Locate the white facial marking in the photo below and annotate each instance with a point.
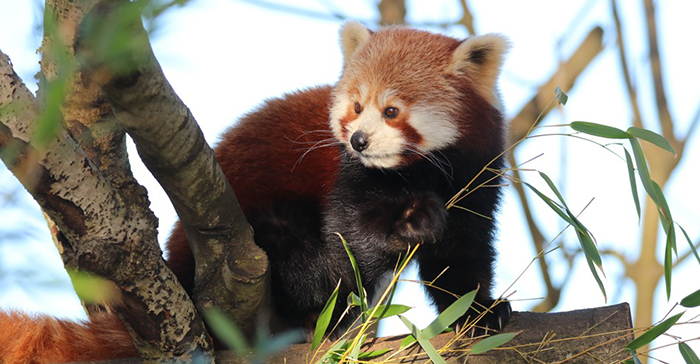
(385, 144)
(436, 126)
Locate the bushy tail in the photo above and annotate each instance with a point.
(43, 339)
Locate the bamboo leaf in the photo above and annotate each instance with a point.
(491, 342)
(551, 204)
(599, 130)
(415, 331)
(325, 318)
(668, 265)
(591, 266)
(691, 300)
(339, 347)
(584, 237)
(373, 354)
(561, 96)
(692, 247)
(651, 137)
(227, 331)
(642, 168)
(554, 189)
(408, 340)
(688, 354)
(654, 332)
(587, 243)
(353, 300)
(358, 279)
(636, 359)
(665, 212)
(423, 342)
(450, 315)
(91, 288)
(633, 183)
(273, 345)
(391, 310)
(355, 352)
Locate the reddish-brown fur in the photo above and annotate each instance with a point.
(265, 159)
(276, 154)
(262, 159)
(42, 339)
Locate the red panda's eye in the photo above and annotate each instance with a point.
(358, 108)
(391, 112)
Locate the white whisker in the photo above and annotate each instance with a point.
(442, 163)
(329, 142)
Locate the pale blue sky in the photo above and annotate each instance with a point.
(224, 56)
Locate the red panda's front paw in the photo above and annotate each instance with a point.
(422, 219)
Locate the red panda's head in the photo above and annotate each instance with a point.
(402, 92)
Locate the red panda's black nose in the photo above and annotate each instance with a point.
(359, 141)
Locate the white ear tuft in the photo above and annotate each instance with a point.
(481, 57)
(353, 35)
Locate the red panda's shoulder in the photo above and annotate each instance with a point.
(283, 149)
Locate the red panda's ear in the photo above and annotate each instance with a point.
(481, 57)
(353, 35)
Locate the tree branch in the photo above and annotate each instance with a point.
(392, 12)
(105, 232)
(467, 18)
(665, 118)
(231, 269)
(594, 335)
(622, 54)
(538, 240)
(565, 78)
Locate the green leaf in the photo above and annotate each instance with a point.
(587, 243)
(668, 264)
(423, 342)
(373, 354)
(325, 318)
(654, 332)
(665, 212)
(355, 352)
(451, 314)
(599, 130)
(584, 237)
(551, 204)
(597, 278)
(91, 288)
(339, 347)
(691, 300)
(273, 345)
(561, 96)
(353, 300)
(358, 279)
(391, 310)
(651, 137)
(633, 183)
(688, 354)
(692, 247)
(635, 358)
(642, 168)
(227, 331)
(408, 340)
(491, 342)
(554, 189)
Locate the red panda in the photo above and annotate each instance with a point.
(413, 119)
